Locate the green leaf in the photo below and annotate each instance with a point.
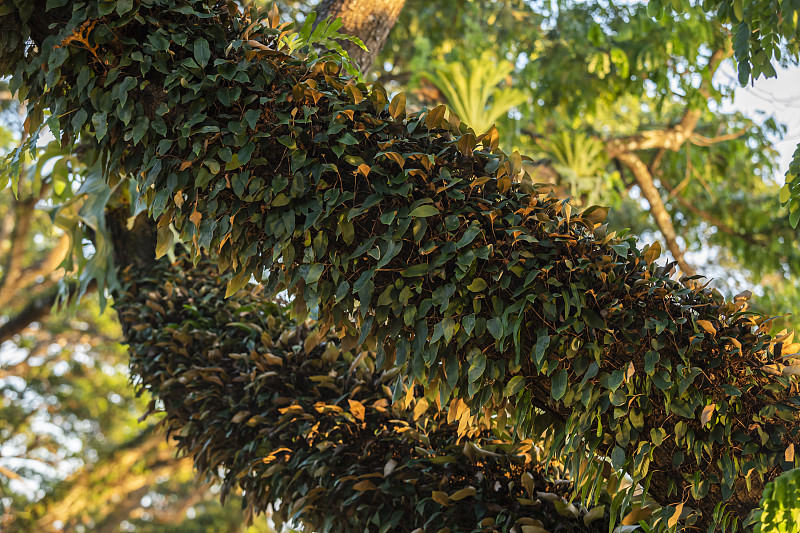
(202, 53)
(495, 327)
(123, 6)
(424, 211)
(468, 323)
(617, 458)
(593, 319)
(657, 435)
(477, 367)
(100, 123)
(416, 270)
(542, 342)
(513, 386)
(785, 194)
(252, 116)
(469, 235)
(613, 381)
(558, 384)
(315, 272)
(451, 369)
(477, 285)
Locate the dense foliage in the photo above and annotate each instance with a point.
(289, 416)
(406, 233)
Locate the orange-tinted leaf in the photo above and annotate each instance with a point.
(397, 107)
(357, 408)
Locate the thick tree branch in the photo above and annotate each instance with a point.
(34, 311)
(705, 215)
(96, 492)
(669, 139)
(657, 208)
(301, 405)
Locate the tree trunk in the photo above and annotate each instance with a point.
(369, 20)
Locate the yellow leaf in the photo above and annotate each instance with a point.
(397, 158)
(527, 482)
(420, 408)
(363, 169)
(791, 349)
(365, 485)
(565, 509)
(311, 342)
(673, 520)
(354, 93)
(274, 16)
(440, 498)
(357, 408)
(788, 455)
(534, 529)
(707, 326)
(435, 117)
(638, 513)
(463, 493)
(595, 214)
(164, 240)
(238, 417)
(652, 253)
(272, 359)
(491, 139)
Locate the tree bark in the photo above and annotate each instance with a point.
(369, 20)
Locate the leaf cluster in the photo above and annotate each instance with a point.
(289, 415)
(409, 232)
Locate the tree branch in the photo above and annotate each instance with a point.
(34, 311)
(700, 140)
(657, 208)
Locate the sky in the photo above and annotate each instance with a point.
(775, 96)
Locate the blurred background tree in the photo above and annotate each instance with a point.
(627, 111)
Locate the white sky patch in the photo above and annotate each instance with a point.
(778, 97)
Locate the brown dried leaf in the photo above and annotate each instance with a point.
(705, 416)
